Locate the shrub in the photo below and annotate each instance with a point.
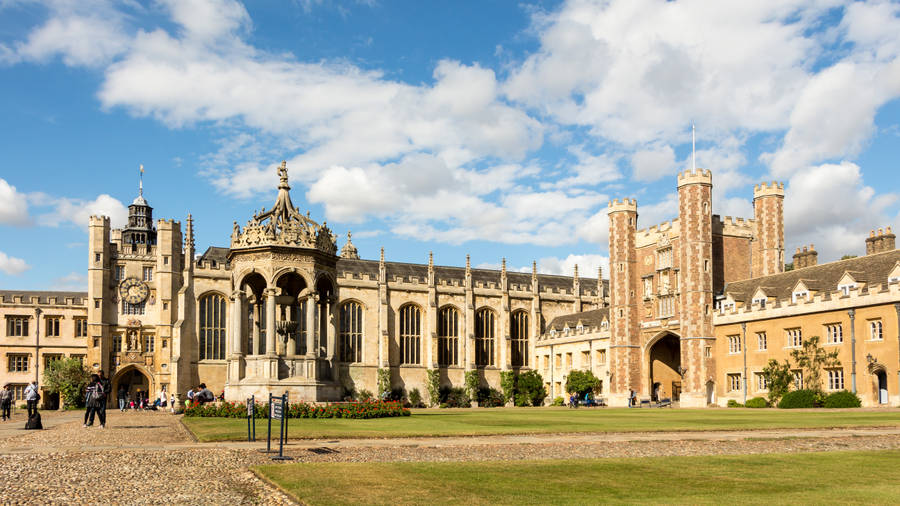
(384, 382)
(355, 410)
(433, 386)
(582, 382)
(489, 397)
(530, 386)
(471, 384)
(508, 385)
(798, 399)
(454, 398)
(842, 399)
(364, 395)
(559, 401)
(779, 379)
(734, 404)
(415, 398)
(757, 402)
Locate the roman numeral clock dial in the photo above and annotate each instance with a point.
(133, 291)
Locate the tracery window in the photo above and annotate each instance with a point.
(212, 327)
(484, 337)
(448, 337)
(351, 332)
(410, 334)
(518, 333)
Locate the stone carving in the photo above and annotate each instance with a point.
(283, 225)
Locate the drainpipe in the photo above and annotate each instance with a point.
(852, 314)
(744, 347)
(37, 343)
(897, 307)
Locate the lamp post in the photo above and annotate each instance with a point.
(852, 314)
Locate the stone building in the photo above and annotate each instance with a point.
(284, 309)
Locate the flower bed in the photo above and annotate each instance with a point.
(356, 410)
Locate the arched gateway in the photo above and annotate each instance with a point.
(136, 382)
(664, 367)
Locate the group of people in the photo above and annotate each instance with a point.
(32, 396)
(199, 395)
(95, 396)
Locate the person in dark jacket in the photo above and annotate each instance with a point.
(107, 390)
(5, 401)
(94, 400)
(204, 395)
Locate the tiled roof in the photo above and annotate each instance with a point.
(591, 318)
(406, 271)
(219, 255)
(871, 269)
(6, 296)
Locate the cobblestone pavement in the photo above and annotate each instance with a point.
(142, 458)
(150, 458)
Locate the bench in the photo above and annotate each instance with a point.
(646, 403)
(664, 403)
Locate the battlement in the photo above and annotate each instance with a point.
(164, 224)
(699, 176)
(98, 221)
(773, 189)
(625, 205)
(731, 225)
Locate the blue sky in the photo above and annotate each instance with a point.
(494, 128)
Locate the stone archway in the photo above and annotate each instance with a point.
(664, 364)
(136, 382)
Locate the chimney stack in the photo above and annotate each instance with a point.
(883, 240)
(806, 257)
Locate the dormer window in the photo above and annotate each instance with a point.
(552, 332)
(604, 325)
(580, 328)
(845, 289)
(804, 295)
(726, 306)
(761, 302)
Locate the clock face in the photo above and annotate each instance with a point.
(133, 291)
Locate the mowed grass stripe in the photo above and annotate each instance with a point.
(437, 422)
(805, 478)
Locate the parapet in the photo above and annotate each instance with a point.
(773, 189)
(699, 176)
(164, 224)
(98, 221)
(627, 205)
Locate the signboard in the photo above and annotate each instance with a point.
(277, 409)
(250, 404)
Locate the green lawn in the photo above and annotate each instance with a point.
(806, 478)
(442, 422)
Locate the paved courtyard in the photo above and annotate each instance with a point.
(150, 458)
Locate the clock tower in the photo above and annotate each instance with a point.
(134, 278)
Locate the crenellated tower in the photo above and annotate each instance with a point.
(768, 242)
(696, 290)
(625, 346)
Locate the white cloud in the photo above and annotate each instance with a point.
(72, 282)
(830, 206)
(78, 212)
(12, 265)
(587, 265)
(13, 205)
(654, 163)
(83, 32)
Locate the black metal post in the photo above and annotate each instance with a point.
(253, 398)
(287, 416)
(282, 433)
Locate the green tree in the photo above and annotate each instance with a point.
(472, 384)
(778, 379)
(68, 377)
(811, 358)
(508, 385)
(530, 389)
(433, 386)
(384, 382)
(848, 257)
(582, 382)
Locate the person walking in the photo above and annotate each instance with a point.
(107, 391)
(5, 401)
(31, 398)
(123, 397)
(95, 399)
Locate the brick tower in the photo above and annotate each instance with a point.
(768, 241)
(625, 348)
(696, 298)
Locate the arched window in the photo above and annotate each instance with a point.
(518, 333)
(410, 334)
(484, 337)
(448, 337)
(351, 332)
(212, 327)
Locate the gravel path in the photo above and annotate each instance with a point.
(150, 458)
(63, 465)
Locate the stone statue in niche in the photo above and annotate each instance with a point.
(133, 341)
